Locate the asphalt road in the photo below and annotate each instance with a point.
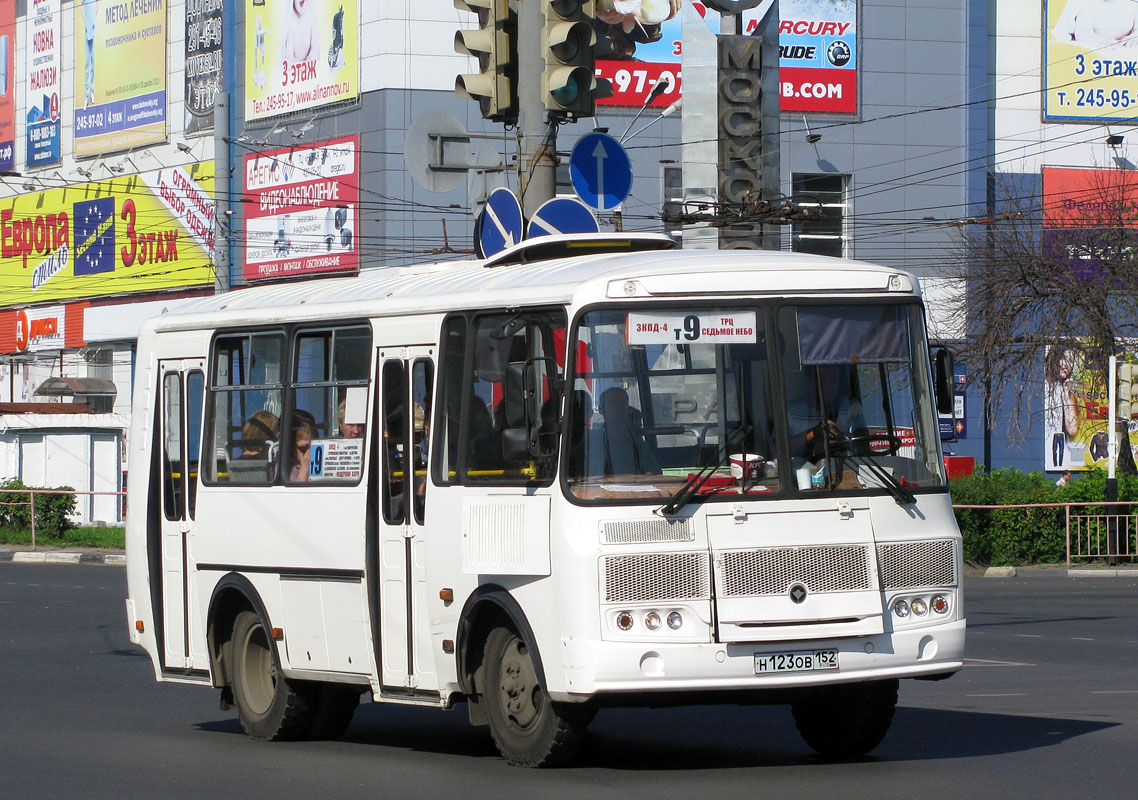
(1046, 707)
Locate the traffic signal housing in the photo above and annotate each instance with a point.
(494, 44)
(569, 86)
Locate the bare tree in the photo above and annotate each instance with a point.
(1056, 267)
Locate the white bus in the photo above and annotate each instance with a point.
(589, 472)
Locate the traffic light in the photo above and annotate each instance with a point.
(569, 86)
(1127, 391)
(495, 45)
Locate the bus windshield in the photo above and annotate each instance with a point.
(819, 399)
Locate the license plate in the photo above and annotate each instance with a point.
(804, 661)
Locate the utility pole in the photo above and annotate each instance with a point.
(537, 135)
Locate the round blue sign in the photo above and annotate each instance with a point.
(500, 223)
(600, 171)
(562, 215)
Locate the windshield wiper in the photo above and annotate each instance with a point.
(696, 481)
(900, 492)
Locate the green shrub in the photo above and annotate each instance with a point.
(53, 511)
(1024, 535)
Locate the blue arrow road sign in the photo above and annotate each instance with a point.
(601, 171)
(500, 224)
(561, 215)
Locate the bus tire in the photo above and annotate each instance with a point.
(846, 720)
(529, 729)
(334, 706)
(270, 707)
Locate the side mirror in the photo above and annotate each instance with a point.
(542, 416)
(942, 379)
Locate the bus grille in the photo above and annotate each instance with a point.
(644, 531)
(834, 568)
(908, 565)
(655, 576)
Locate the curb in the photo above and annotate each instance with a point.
(58, 557)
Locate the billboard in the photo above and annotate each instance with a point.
(1090, 70)
(120, 75)
(203, 62)
(140, 233)
(301, 210)
(42, 77)
(7, 86)
(1088, 215)
(817, 52)
(1076, 410)
(299, 55)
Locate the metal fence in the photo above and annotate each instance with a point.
(30, 502)
(1098, 530)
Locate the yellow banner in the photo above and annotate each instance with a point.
(120, 75)
(136, 233)
(300, 55)
(1090, 63)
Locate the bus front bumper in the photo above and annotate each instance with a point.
(594, 668)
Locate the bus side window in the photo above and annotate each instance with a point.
(422, 382)
(394, 451)
(172, 467)
(451, 382)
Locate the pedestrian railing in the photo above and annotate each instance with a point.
(1094, 530)
(30, 502)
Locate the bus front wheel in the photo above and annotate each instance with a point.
(529, 729)
(269, 706)
(846, 720)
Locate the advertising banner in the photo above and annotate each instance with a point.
(40, 328)
(301, 212)
(1090, 66)
(299, 55)
(7, 86)
(817, 51)
(1076, 410)
(141, 233)
(203, 62)
(42, 77)
(120, 75)
(1086, 216)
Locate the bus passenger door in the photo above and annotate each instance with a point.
(182, 389)
(406, 384)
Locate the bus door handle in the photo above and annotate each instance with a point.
(408, 532)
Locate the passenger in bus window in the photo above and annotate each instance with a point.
(259, 433)
(347, 430)
(304, 431)
(626, 450)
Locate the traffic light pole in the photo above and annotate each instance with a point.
(537, 135)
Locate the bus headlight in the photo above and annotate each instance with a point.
(919, 606)
(940, 604)
(624, 620)
(675, 620)
(901, 609)
(652, 621)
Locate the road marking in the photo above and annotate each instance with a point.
(1029, 635)
(1020, 694)
(1081, 639)
(1116, 691)
(988, 662)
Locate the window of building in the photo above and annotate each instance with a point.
(823, 198)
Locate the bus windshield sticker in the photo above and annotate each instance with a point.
(336, 460)
(698, 326)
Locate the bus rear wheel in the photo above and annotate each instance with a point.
(270, 707)
(529, 729)
(846, 720)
